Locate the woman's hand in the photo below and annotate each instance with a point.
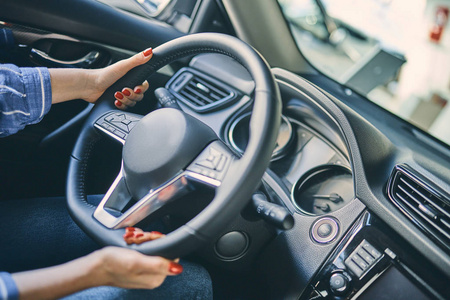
(111, 266)
(89, 85)
(102, 79)
(130, 269)
(127, 268)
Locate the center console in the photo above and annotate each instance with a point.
(373, 262)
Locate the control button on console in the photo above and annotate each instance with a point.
(355, 269)
(338, 283)
(390, 253)
(360, 262)
(369, 248)
(365, 255)
(324, 230)
(362, 258)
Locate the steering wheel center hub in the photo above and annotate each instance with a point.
(160, 145)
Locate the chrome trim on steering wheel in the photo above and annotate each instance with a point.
(118, 197)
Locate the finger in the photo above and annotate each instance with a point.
(143, 237)
(139, 237)
(128, 97)
(141, 89)
(154, 235)
(130, 232)
(123, 102)
(131, 95)
(118, 102)
(133, 229)
(154, 265)
(175, 268)
(119, 105)
(122, 67)
(162, 266)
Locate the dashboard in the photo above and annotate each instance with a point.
(368, 193)
(322, 170)
(371, 217)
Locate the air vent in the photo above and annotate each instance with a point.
(200, 92)
(426, 207)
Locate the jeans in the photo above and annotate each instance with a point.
(38, 233)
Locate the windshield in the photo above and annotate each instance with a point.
(394, 52)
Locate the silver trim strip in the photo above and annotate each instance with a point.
(86, 60)
(109, 133)
(202, 179)
(154, 200)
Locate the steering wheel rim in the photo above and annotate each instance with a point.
(235, 190)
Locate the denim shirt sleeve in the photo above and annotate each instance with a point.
(8, 288)
(25, 97)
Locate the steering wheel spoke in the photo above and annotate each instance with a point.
(114, 211)
(117, 124)
(207, 170)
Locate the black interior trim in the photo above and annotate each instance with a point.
(91, 20)
(372, 156)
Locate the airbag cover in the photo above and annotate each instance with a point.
(159, 146)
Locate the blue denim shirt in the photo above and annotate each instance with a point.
(25, 95)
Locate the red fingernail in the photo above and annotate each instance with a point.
(137, 91)
(118, 103)
(128, 235)
(118, 95)
(175, 268)
(126, 92)
(139, 235)
(148, 52)
(130, 229)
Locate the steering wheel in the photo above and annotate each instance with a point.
(168, 153)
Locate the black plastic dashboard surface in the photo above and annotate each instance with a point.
(367, 149)
(374, 151)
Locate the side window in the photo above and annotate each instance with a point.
(394, 52)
